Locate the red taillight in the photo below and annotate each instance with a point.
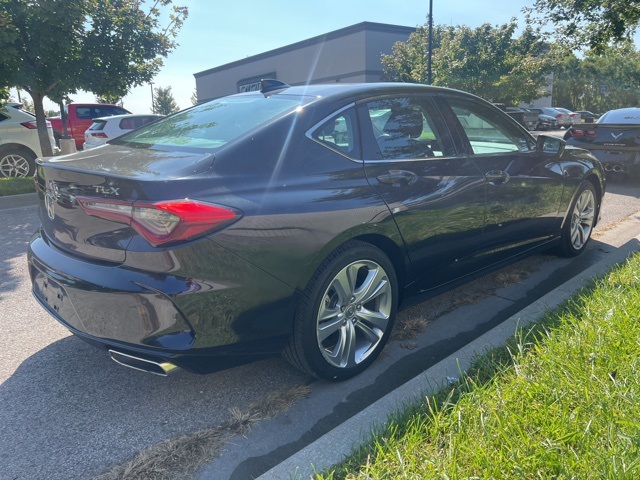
(33, 125)
(579, 132)
(559, 115)
(99, 135)
(162, 223)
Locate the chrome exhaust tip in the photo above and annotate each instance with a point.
(617, 168)
(626, 168)
(608, 167)
(157, 368)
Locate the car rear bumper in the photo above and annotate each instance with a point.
(123, 309)
(619, 161)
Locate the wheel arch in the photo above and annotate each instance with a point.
(17, 146)
(395, 253)
(597, 183)
(390, 243)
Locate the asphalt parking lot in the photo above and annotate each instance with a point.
(70, 412)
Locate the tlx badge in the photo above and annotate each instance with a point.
(106, 190)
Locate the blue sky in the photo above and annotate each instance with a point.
(221, 32)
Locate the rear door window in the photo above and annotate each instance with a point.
(405, 128)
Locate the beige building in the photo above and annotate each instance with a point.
(348, 55)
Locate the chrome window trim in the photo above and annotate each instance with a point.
(408, 160)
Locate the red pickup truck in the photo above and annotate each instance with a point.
(80, 117)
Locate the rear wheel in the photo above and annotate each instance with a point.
(16, 162)
(578, 227)
(346, 313)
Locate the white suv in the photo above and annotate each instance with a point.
(19, 142)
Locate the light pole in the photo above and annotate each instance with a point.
(430, 51)
(153, 108)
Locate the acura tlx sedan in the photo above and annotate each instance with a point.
(295, 220)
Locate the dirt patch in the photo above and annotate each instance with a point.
(181, 457)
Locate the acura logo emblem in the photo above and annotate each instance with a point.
(49, 203)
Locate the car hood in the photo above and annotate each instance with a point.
(135, 163)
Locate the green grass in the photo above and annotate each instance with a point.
(15, 186)
(561, 401)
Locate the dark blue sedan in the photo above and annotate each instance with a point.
(295, 220)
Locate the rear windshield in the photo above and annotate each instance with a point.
(97, 125)
(631, 116)
(213, 124)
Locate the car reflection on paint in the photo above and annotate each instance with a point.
(295, 220)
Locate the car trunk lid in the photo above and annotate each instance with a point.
(120, 175)
(605, 136)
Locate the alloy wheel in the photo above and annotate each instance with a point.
(14, 165)
(582, 219)
(354, 314)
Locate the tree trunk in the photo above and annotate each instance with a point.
(43, 134)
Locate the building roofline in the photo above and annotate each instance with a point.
(342, 32)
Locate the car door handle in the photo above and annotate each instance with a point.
(395, 177)
(497, 177)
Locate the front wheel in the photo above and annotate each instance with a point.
(346, 313)
(578, 226)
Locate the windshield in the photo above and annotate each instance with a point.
(213, 124)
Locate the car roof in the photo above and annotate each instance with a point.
(339, 90)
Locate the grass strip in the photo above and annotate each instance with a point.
(561, 400)
(16, 186)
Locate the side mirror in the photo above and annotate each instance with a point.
(550, 145)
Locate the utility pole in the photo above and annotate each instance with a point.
(153, 107)
(430, 51)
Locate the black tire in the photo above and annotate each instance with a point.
(578, 226)
(16, 161)
(363, 320)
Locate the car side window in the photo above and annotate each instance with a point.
(84, 113)
(489, 131)
(338, 133)
(404, 129)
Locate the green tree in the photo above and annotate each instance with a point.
(194, 97)
(589, 23)
(163, 101)
(487, 61)
(111, 99)
(57, 47)
(598, 81)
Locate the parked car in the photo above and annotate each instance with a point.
(296, 220)
(562, 119)
(524, 117)
(614, 139)
(19, 141)
(80, 117)
(574, 117)
(107, 128)
(587, 116)
(546, 121)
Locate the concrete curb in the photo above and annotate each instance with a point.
(17, 201)
(333, 447)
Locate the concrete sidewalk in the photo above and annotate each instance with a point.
(331, 448)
